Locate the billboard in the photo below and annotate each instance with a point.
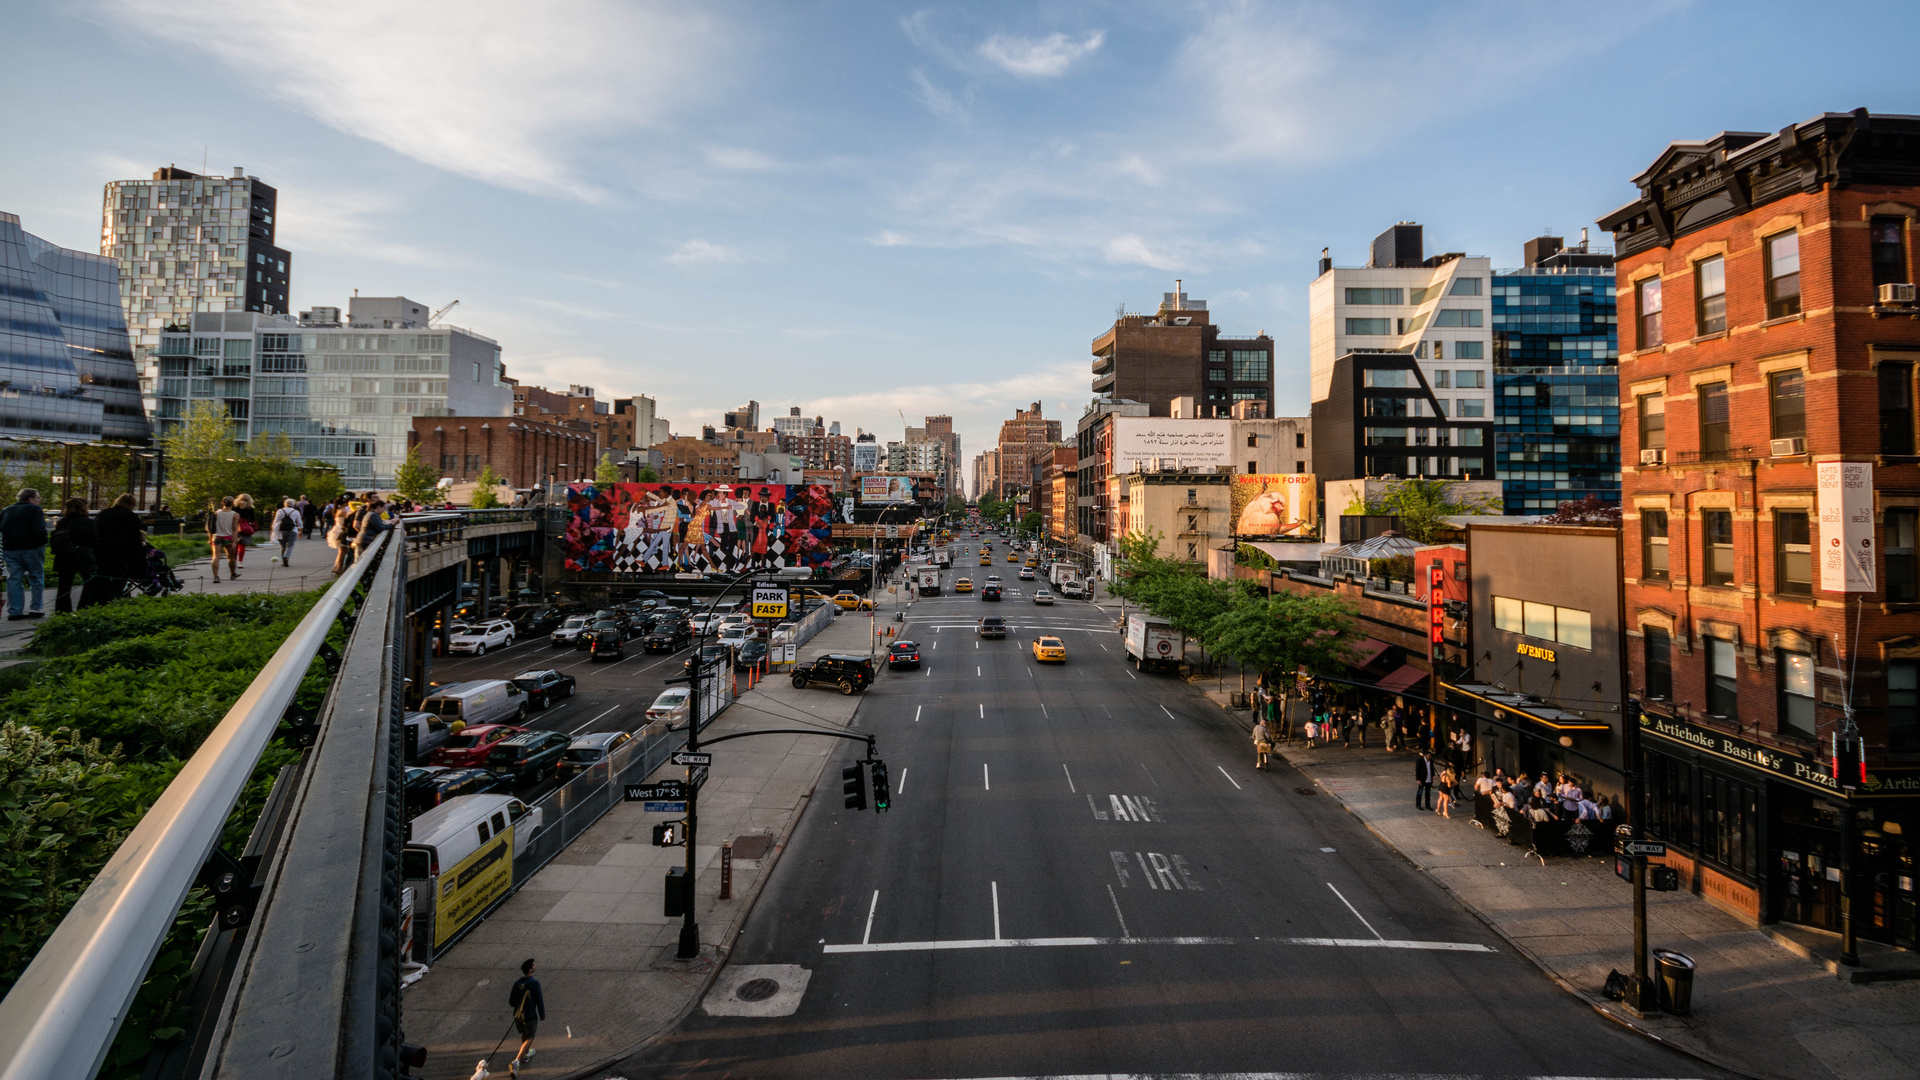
(1846, 526)
(1146, 442)
(885, 490)
(699, 528)
(1273, 504)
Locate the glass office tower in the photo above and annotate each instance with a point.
(1556, 389)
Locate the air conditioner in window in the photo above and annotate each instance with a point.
(1897, 293)
(1786, 447)
(1653, 457)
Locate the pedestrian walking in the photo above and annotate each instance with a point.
(120, 554)
(23, 544)
(529, 1008)
(246, 524)
(1262, 744)
(340, 533)
(73, 543)
(286, 528)
(1423, 776)
(309, 513)
(221, 522)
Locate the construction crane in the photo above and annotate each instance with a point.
(442, 311)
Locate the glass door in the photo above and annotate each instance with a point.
(1807, 860)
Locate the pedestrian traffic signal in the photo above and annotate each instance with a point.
(854, 786)
(881, 795)
(669, 835)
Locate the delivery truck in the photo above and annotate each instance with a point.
(943, 557)
(1152, 642)
(929, 580)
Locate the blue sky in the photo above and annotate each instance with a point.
(871, 209)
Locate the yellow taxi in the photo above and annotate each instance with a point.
(963, 585)
(986, 560)
(1033, 562)
(1049, 649)
(852, 601)
(1013, 556)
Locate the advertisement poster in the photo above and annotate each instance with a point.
(1142, 442)
(1846, 526)
(885, 490)
(1273, 504)
(699, 528)
(467, 890)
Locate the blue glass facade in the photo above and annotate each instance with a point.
(44, 389)
(1556, 391)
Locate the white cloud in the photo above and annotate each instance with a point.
(889, 238)
(704, 253)
(361, 224)
(1132, 249)
(941, 102)
(498, 90)
(740, 159)
(1038, 58)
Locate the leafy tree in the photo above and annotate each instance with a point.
(484, 497)
(1591, 510)
(956, 505)
(1424, 505)
(199, 452)
(606, 473)
(415, 479)
(323, 482)
(1031, 522)
(990, 506)
(648, 475)
(1279, 634)
(1139, 566)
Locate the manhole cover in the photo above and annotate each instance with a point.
(757, 990)
(751, 847)
(1305, 791)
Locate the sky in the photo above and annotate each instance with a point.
(878, 212)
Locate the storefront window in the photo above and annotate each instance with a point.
(1669, 799)
(1730, 820)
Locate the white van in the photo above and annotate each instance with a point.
(482, 701)
(458, 853)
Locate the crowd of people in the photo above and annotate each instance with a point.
(1541, 800)
(350, 522)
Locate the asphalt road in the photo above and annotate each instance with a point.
(1081, 874)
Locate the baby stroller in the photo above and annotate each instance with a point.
(160, 580)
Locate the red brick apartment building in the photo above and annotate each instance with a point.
(1768, 328)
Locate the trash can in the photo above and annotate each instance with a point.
(1675, 981)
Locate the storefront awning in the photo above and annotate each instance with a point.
(1367, 650)
(1520, 705)
(1404, 677)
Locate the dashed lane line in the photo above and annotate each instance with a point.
(1068, 942)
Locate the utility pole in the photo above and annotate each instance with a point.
(690, 928)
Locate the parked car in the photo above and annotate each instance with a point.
(852, 601)
(469, 747)
(735, 636)
(706, 623)
(1042, 595)
(528, 757)
(993, 626)
(444, 836)
(671, 637)
(614, 615)
(708, 656)
(1049, 648)
(606, 645)
(477, 638)
(849, 673)
(543, 688)
(586, 751)
(670, 706)
(903, 654)
(1072, 590)
(751, 653)
(569, 631)
(421, 734)
(428, 787)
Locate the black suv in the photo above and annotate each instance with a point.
(528, 756)
(429, 787)
(543, 688)
(990, 592)
(849, 673)
(669, 637)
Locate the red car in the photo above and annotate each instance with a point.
(470, 746)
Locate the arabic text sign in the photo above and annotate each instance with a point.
(1146, 442)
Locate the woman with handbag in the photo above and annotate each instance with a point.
(246, 526)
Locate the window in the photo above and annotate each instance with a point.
(1300, 440)
(1730, 823)
(1299, 466)
(1573, 627)
(1443, 380)
(1888, 236)
(1896, 409)
(1710, 278)
(1466, 286)
(1422, 295)
(1218, 374)
(1659, 645)
(1439, 350)
(1783, 275)
(1718, 525)
(1654, 548)
(1373, 296)
(1653, 421)
(1369, 326)
(1469, 350)
(1787, 393)
(1647, 303)
(1507, 615)
(1796, 692)
(1471, 407)
(1669, 798)
(1903, 706)
(476, 371)
(1723, 688)
(1458, 317)
(1903, 572)
(1469, 380)
(1792, 553)
(1539, 620)
(1249, 366)
(1253, 440)
(1714, 429)
(1253, 467)
(1391, 377)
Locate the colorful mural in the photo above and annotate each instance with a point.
(698, 528)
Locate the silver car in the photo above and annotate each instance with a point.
(1042, 596)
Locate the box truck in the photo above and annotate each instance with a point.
(1152, 642)
(929, 580)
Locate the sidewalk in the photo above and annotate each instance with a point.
(592, 917)
(1759, 1008)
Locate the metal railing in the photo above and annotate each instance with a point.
(61, 1017)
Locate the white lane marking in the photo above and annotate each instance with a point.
(1029, 671)
(868, 936)
(916, 713)
(1356, 913)
(983, 711)
(1144, 769)
(1043, 943)
(1124, 935)
(976, 644)
(1144, 872)
(976, 669)
(1130, 673)
(1169, 713)
(1230, 779)
(1094, 807)
(1119, 862)
(1102, 644)
(590, 723)
(996, 910)
(929, 671)
(1043, 711)
(986, 778)
(935, 645)
(1327, 849)
(1069, 772)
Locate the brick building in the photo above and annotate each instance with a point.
(695, 461)
(1178, 352)
(1767, 329)
(524, 453)
(1022, 438)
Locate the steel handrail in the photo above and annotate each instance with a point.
(60, 1019)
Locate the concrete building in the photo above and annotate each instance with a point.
(866, 453)
(745, 418)
(1771, 508)
(1191, 512)
(793, 424)
(66, 368)
(1178, 352)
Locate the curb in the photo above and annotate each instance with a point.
(1602, 1008)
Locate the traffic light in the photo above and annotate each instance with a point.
(669, 835)
(881, 795)
(854, 786)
